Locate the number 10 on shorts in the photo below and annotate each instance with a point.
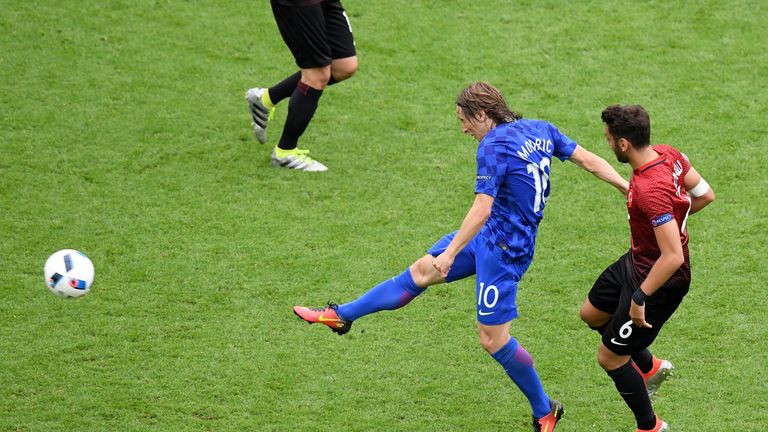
(487, 297)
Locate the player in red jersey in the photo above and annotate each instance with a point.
(636, 295)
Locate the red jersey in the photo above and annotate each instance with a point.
(657, 196)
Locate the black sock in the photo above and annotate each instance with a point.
(643, 360)
(301, 108)
(284, 88)
(631, 387)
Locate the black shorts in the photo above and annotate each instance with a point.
(612, 293)
(315, 34)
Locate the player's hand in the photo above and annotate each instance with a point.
(637, 314)
(443, 264)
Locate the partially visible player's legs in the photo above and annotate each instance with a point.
(517, 363)
(305, 31)
(306, 95)
(398, 291)
(342, 69)
(496, 294)
(262, 101)
(301, 109)
(620, 341)
(631, 386)
(390, 294)
(604, 297)
(643, 360)
(395, 292)
(303, 104)
(603, 302)
(653, 370)
(659, 371)
(282, 90)
(597, 320)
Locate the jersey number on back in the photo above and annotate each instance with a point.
(540, 175)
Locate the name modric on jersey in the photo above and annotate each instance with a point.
(529, 146)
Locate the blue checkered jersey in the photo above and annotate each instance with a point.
(513, 166)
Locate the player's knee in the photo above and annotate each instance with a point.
(491, 341)
(318, 83)
(345, 73)
(344, 69)
(488, 344)
(602, 360)
(317, 78)
(585, 316)
(422, 272)
(608, 360)
(591, 316)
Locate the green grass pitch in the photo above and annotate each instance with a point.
(124, 134)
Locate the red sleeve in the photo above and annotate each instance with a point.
(683, 161)
(655, 200)
(686, 164)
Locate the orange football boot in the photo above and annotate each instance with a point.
(661, 426)
(325, 315)
(548, 422)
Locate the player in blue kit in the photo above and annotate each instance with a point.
(496, 239)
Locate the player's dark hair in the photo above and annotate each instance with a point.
(630, 122)
(482, 97)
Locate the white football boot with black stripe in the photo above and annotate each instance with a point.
(297, 159)
(260, 114)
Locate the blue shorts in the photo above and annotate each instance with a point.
(496, 284)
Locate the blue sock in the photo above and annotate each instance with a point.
(391, 294)
(519, 366)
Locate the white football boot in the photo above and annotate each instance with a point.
(297, 159)
(260, 114)
(653, 382)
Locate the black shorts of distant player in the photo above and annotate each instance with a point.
(315, 33)
(612, 293)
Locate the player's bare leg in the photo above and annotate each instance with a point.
(342, 69)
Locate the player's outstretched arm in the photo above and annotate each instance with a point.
(599, 167)
(700, 191)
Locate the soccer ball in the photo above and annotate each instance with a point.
(69, 273)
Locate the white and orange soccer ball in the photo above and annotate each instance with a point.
(69, 273)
